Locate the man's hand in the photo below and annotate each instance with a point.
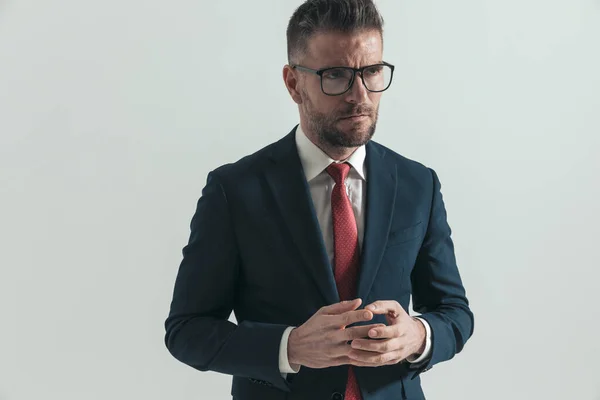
(403, 337)
(322, 341)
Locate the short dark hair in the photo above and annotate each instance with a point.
(318, 16)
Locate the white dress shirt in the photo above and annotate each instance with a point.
(314, 162)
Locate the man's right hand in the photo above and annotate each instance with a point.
(322, 341)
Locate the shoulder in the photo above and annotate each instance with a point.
(419, 179)
(403, 164)
(251, 165)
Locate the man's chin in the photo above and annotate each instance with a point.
(357, 130)
(350, 139)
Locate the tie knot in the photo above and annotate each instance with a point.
(339, 172)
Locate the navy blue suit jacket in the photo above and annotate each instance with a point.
(256, 248)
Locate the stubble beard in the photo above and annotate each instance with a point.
(324, 126)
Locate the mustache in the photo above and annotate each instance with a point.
(360, 110)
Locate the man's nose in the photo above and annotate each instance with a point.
(357, 93)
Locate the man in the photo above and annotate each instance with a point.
(317, 241)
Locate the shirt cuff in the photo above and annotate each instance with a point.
(284, 365)
(427, 351)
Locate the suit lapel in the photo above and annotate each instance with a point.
(381, 198)
(292, 195)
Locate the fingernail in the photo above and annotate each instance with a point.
(367, 315)
(373, 333)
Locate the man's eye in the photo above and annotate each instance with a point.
(373, 70)
(332, 75)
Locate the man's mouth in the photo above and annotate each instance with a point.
(356, 116)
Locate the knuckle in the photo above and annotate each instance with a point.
(324, 320)
(342, 320)
(348, 335)
(349, 318)
(358, 316)
(328, 337)
(356, 333)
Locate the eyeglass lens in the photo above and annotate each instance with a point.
(337, 80)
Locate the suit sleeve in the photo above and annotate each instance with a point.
(198, 332)
(438, 292)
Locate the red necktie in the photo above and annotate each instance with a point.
(346, 251)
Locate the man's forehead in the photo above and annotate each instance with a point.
(336, 47)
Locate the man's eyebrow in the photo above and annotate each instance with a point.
(346, 66)
(334, 66)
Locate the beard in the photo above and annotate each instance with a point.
(325, 126)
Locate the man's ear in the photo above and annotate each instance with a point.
(290, 78)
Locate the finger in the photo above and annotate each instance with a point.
(385, 332)
(337, 350)
(375, 358)
(341, 307)
(359, 332)
(349, 318)
(345, 360)
(368, 364)
(377, 346)
(391, 307)
(359, 363)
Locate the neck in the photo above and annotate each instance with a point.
(337, 153)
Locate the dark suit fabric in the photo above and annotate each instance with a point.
(256, 249)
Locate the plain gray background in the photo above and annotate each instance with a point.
(113, 112)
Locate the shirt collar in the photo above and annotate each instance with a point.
(314, 160)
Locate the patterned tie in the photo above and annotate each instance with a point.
(346, 253)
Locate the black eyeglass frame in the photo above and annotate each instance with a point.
(321, 71)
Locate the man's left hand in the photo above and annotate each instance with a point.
(404, 336)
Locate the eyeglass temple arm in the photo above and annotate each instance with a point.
(301, 68)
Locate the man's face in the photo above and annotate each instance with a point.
(333, 118)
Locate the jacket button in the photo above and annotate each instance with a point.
(337, 396)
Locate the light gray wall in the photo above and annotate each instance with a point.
(113, 112)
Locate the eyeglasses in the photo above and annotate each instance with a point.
(336, 81)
